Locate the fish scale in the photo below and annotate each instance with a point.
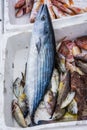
(44, 78)
(41, 77)
(40, 60)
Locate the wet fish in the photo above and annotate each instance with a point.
(62, 7)
(50, 98)
(55, 81)
(68, 99)
(17, 114)
(19, 83)
(35, 9)
(73, 108)
(39, 113)
(50, 8)
(59, 43)
(28, 120)
(18, 87)
(76, 50)
(82, 57)
(60, 58)
(81, 65)
(50, 101)
(76, 10)
(70, 45)
(70, 67)
(64, 88)
(82, 42)
(62, 62)
(56, 11)
(23, 104)
(41, 59)
(19, 4)
(66, 50)
(73, 68)
(25, 9)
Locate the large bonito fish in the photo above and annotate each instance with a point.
(41, 59)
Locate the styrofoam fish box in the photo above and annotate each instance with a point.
(15, 50)
(12, 23)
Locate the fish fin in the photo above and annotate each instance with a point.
(38, 45)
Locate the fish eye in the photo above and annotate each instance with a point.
(43, 17)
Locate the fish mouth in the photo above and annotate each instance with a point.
(42, 10)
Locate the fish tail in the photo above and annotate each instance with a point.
(32, 121)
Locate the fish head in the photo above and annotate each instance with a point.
(43, 24)
(16, 85)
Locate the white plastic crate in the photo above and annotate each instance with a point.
(11, 23)
(15, 49)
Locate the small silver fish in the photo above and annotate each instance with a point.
(73, 108)
(59, 43)
(55, 81)
(50, 101)
(17, 114)
(18, 87)
(64, 88)
(23, 104)
(51, 96)
(62, 62)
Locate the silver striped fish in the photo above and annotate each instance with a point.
(41, 59)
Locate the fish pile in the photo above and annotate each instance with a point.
(20, 103)
(55, 76)
(73, 57)
(57, 8)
